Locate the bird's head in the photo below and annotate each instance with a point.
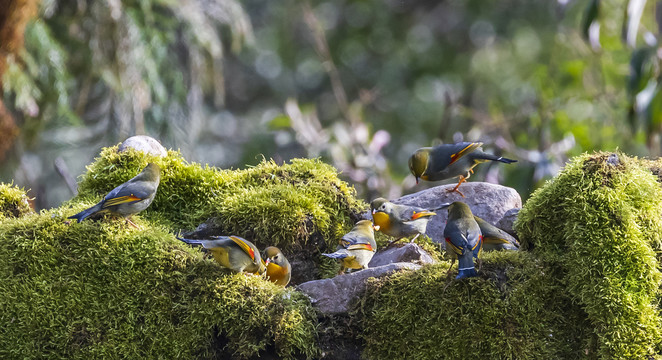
(273, 255)
(152, 172)
(379, 204)
(458, 210)
(418, 162)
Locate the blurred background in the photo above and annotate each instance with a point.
(361, 84)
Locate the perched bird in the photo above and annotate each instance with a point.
(129, 198)
(495, 238)
(400, 221)
(279, 269)
(463, 238)
(232, 252)
(356, 247)
(450, 160)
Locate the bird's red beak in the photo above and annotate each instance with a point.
(266, 262)
(376, 227)
(416, 181)
(374, 211)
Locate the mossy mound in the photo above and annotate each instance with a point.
(513, 310)
(599, 223)
(13, 201)
(107, 290)
(268, 204)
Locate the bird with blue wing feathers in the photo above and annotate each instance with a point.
(463, 239)
(129, 198)
(356, 247)
(398, 220)
(232, 252)
(448, 161)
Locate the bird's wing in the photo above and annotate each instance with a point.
(128, 192)
(352, 238)
(244, 246)
(474, 240)
(361, 247)
(458, 150)
(420, 214)
(494, 235)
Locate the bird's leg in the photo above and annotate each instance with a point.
(462, 179)
(448, 272)
(131, 223)
(412, 240)
(480, 263)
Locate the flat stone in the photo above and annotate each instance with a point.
(336, 295)
(410, 252)
(144, 143)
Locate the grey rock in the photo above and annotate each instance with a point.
(506, 222)
(146, 144)
(489, 201)
(336, 295)
(410, 252)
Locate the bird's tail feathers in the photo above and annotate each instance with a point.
(336, 255)
(85, 213)
(191, 241)
(486, 156)
(466, 263)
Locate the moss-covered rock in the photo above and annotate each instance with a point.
(301, 207)
(279, 205)
(599, 222)
(106, 290)
(588, 288)
(102, 289)
(13, 201)
(513, 310)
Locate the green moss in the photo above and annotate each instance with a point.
(269, 204)
(600, 225)
(13, 201)
(512, 310)
(106, 290)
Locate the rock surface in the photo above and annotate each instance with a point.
(335, 295)
(409, 253)
(146, 144)
(489, 201)
(507, 221)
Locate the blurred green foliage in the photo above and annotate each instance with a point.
(360, 83)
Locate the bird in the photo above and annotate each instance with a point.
(232, 252)
(448, 161)
(495, 238)
(398, 220)
(356, 247)
(279, 269)
(129, 198)
(464, 239)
